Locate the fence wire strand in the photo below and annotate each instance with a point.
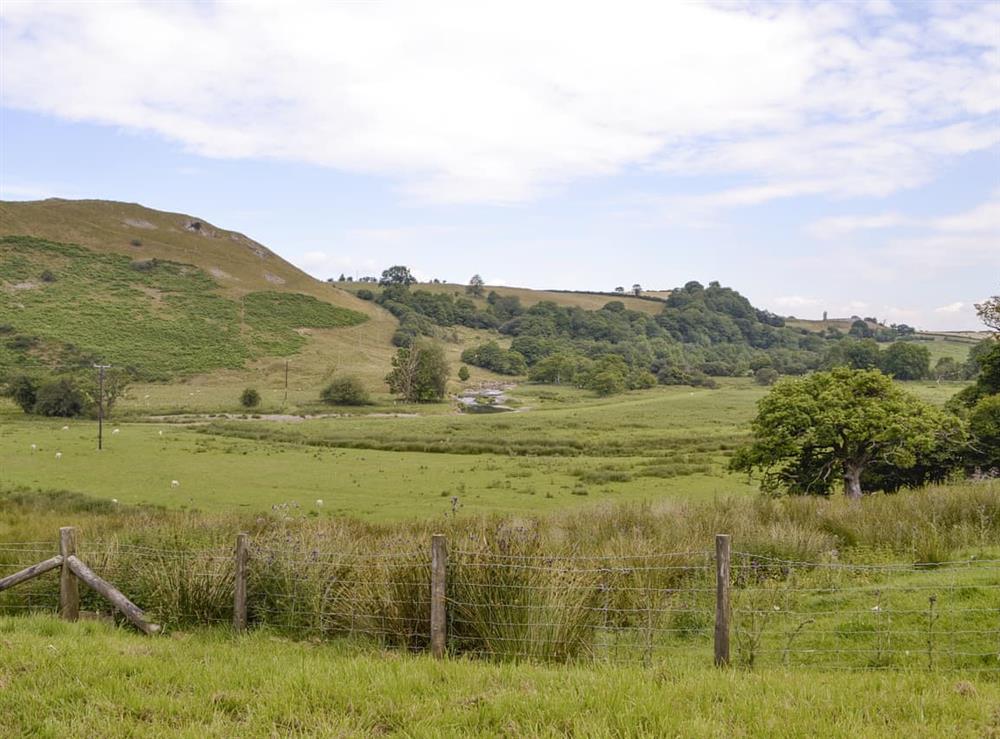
(625, 607)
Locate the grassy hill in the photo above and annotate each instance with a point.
(177, 297)
(651, 303)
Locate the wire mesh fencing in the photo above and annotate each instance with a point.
(862, 615)
(526, 604)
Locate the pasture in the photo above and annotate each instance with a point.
(62, 678)
(565, 448)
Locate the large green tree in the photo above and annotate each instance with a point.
(907, 360)
(397, 275)
(419, 372)
(808, 432)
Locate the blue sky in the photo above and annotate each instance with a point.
(840, 157)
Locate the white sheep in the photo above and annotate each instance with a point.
(65, 428)
(34, 447)
(58, 455)
(319, 501)
(175, 484)
(160, 432)
(116, 431)
(115, 501)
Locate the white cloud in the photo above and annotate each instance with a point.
(795, 301)
(838, 226)
(499, 102)
(950, 308)
(968, 238)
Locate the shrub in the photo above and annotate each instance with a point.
(346, 390)
(366, 294)
(21, 342)
(463, 373)
(250, 398)
(136, 242)
(765, 376)
(23, 390)
(48, 276)
(60, 397)
(144, 265)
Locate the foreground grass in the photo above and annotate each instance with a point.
(89, 679)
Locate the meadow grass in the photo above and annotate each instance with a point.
(619, 581)
(90, 679)
(565, 449)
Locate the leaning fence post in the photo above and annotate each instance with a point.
(722, 605)
(439, 568)
(240, 584)
(69, 588)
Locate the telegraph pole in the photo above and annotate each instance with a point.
(100, 403)
(285, 402)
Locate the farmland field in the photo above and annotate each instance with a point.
(565, 448)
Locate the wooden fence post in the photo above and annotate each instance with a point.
(722, 604)
(69, 587)
(240, 584)
(439, 568)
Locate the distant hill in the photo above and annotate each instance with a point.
(651, 303)
(236, 263)
(164, 293)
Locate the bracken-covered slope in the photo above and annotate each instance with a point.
(237, 263)
(165, 293)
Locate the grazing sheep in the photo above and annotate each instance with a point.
(319, 501)
(115, 501)
(160, 433)
(34, 447)
(116, 431)
(175, 484)
(65, 428)
(58, 455)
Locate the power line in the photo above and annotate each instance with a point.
(100, 403)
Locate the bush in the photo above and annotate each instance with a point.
(60, 397)
(250, 398)
(23, 390)
(144, 265)
(48, 276)
(366, 294)
(463, 373)
(136, 242)
(346, 390)
(765, 376)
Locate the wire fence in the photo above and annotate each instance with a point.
(623, 607)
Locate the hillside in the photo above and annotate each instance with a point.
(165, 293)
(652, 303)
(236, 263)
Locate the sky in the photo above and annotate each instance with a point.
(840, 157)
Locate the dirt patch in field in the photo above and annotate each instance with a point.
(274, 279)
(139, 223)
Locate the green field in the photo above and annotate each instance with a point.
(565, 448)
(61, 679)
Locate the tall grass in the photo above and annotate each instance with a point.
(532, 587)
